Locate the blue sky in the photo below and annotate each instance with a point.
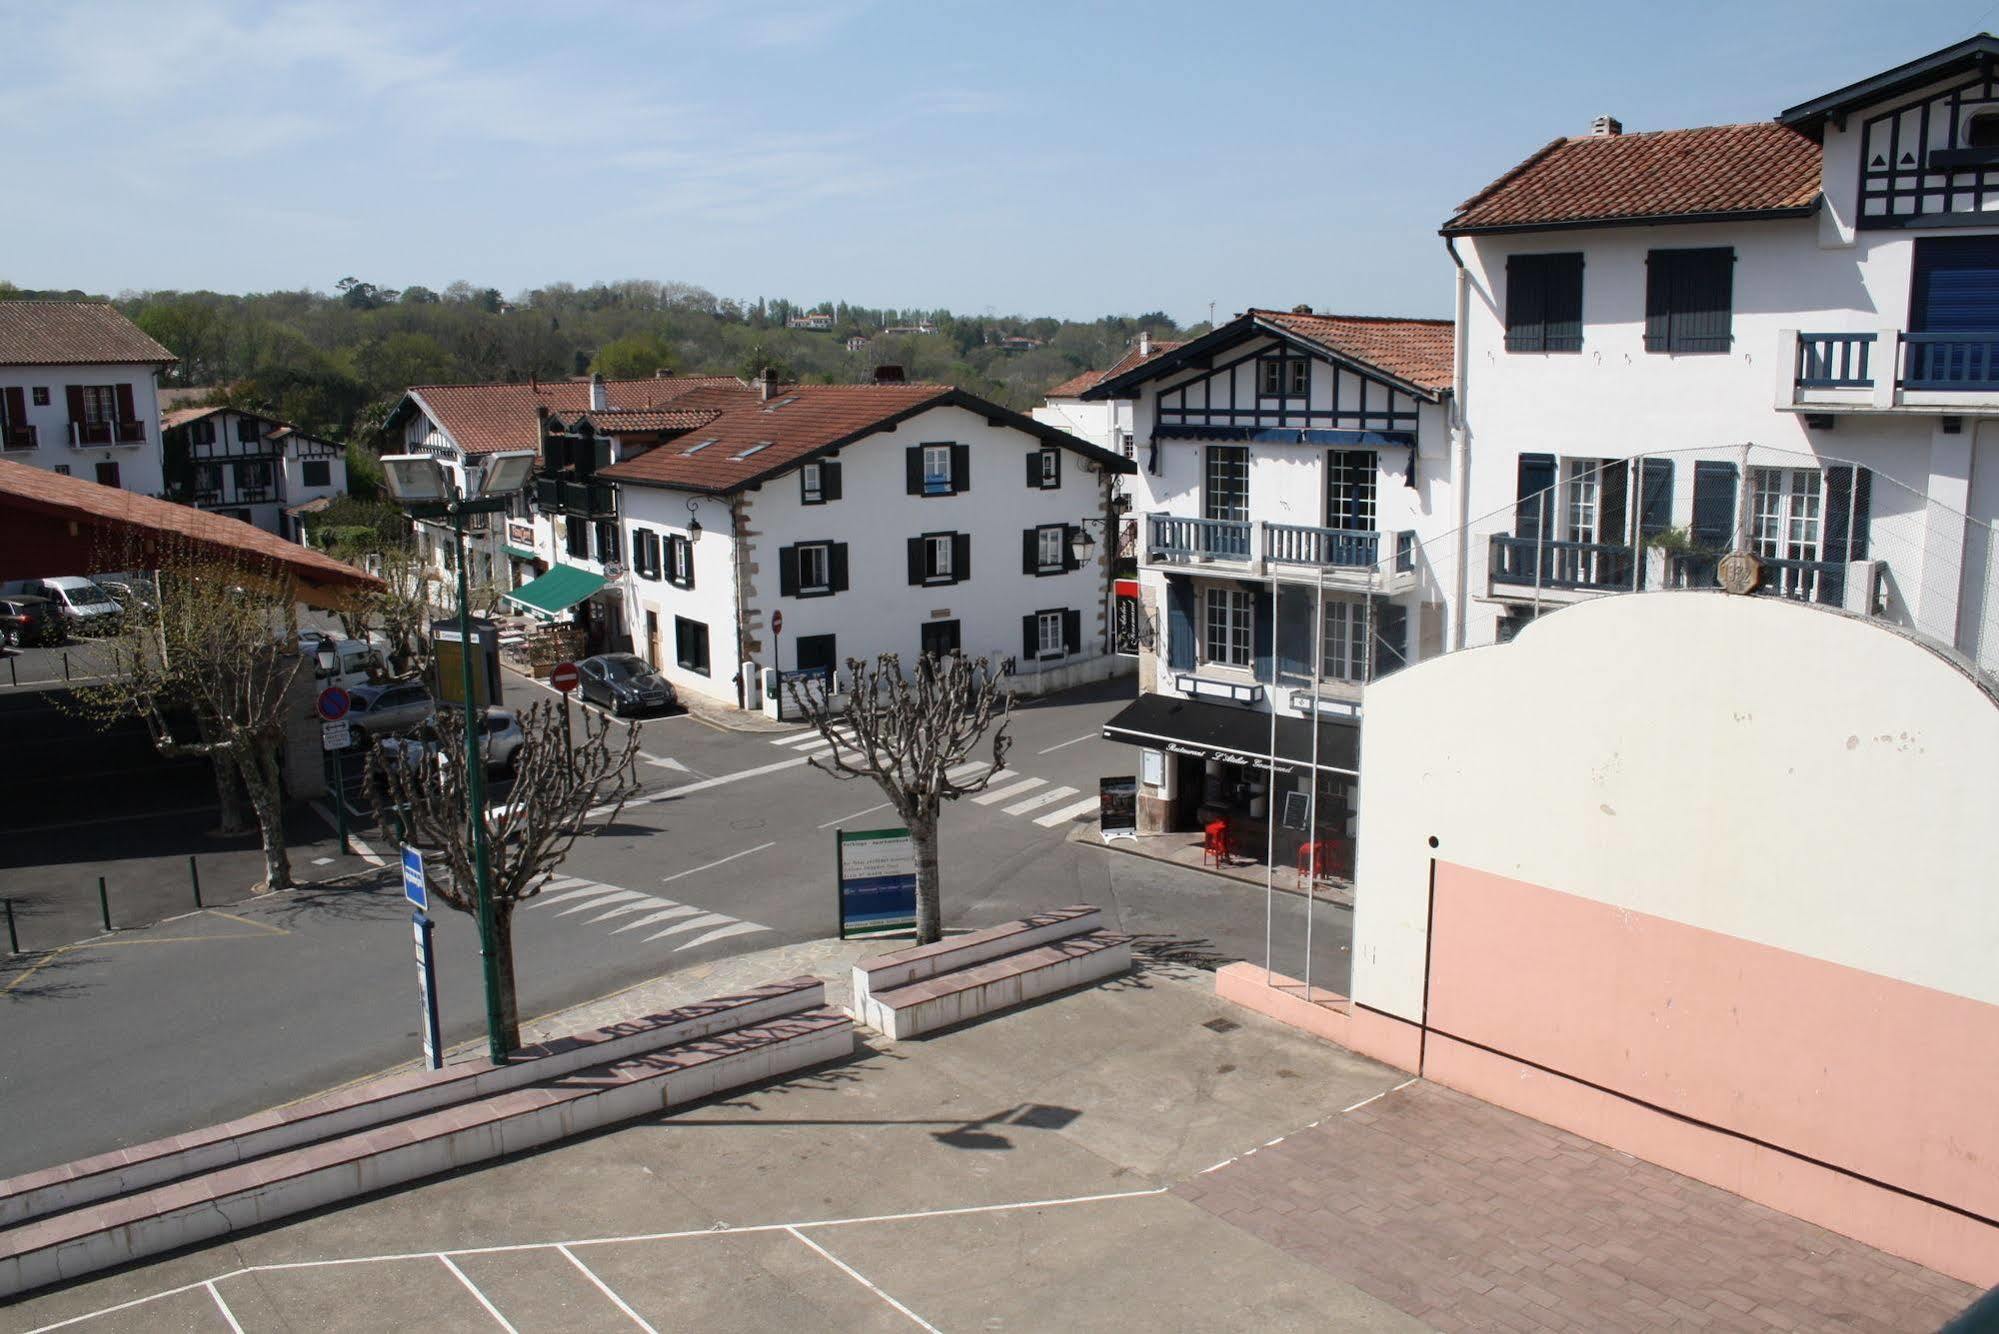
(1067, 159)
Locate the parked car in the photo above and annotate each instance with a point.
(354, 662)
(379, 711)
(500, 738)
(86, 609)
(129, 589)
(624, 683)
(27, 619)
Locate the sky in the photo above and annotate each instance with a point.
(1069, 159)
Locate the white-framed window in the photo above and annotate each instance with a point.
(937, 470)
(937, 557)
(1343, 646)
(811, 484)
(1226, 495)
(815, 568)
(1048, 544)
(1584, 498)
(680, 561)
(1350, 489)
(1051, 468)
(1226, 637)
(1048, 634)
(100, 402)
(1787, 513)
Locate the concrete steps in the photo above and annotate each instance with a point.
(121, 1206)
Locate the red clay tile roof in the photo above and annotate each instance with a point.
(73, 333)
(627, 421)
(1075, 385)
(1663, 175)
(1417, 352)
(45, 517)
(753, 439)
(484, 418)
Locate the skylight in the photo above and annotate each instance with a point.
(780, 403)
(696, 449)
(761, 444)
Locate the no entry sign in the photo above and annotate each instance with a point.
(777, 622)
(564, 677)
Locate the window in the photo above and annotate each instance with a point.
(814, 569)
(62, 470)
(1583, 494)
(1226, 637)
(1982, 130)
(811, 487)
(1350, 488)
(208, 481)
(1044, 468)
(1689, 296)
(607, 541)
(936, 470)
(576, 536)
(1048, 634)
(645, 553)
(817, 653)
(41, 395)
(202, 432)
(246, 430)
(1227, 493)
(1284, 377)
(1343, 648)
(107, 474)
(1785, 523)
(316, 472)
(1050, 547)
(100, 403)
(690, 644)
(940, 558)
(1544, 303)
(680, 561)
(253, 476)
(941, 638)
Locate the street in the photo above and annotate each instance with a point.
(220, 1014)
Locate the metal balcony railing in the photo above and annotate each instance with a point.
(107, 433)
(18, 437)
(1817, 581)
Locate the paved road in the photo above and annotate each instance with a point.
(219, 1015)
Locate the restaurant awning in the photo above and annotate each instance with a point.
(518, 553)
(1236, 736)
(558, 590)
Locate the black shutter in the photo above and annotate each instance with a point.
(837, 566)
(600, 453)
(916, 561)
(1294, 633)
(1848, 492)
(1660, 266)
(787, 572)
(1072, 631)
(961, 468)
(1391, 638)
(1034, 467)
(1179, 624)
(1526, 303)
(829, 480)
(128, 411)
(1655, 499)
(1614, 485)
(74, 393)
(1029, 551)
(961, 557)
(1563, 297)
(1535, 515)
(1030, 638)
(912, 468)
(687, 545)
(1070, 560)
(17, 406)
(1262, 629)
(1713, 526)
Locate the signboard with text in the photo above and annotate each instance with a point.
(335, 736)
(1127, 618)
(1117, 807)
(877, 880)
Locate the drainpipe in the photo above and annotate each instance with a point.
(1460, 447)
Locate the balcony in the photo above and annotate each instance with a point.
(1522, 569)
(1353, 559)
(560, 495)
(1825, 583)
(1529, 563)
(1889, 370)
(18, 437)
(84, 435)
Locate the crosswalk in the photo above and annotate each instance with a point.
(1031, 797)
(620, 911)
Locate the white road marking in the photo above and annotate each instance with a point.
(223, 1307)
(721, 933)
(473, 1288)
(991, 795)
(362, 850)
(706, 920)
(548, 900)
(616, 895)
(861, 1279)
(677, 910)
(664, 762)
(644, 901)
(1040, 799)
(322, 861)
(1068, 813)
(736, 777)
(605, 1288)
(794, 739)
(857, 814)
(712, 865)
(819, 746)
(959, 773)
(1070, 742)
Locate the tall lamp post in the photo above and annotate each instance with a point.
(425, 490)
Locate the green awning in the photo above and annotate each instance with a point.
(558, 590)
(518, 553)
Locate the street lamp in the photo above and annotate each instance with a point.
(424, 489)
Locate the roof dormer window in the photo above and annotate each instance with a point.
(1980, 129)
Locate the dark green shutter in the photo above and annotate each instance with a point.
(1848, 494)
(1535, 514)
(1029, 551)
(1526, 303)
(1034, 468)
(1072, 631)
(1391, 638)
(1713, 526)
(1563, 313)
(1659, 270)
(787, 572)
(961, 557)
(916, 560)
(1030, 637)
(1179, 624)
(829, 480)
(1655, 499)
(1707, 287)
(961, 468)
(1295, 626)
(912, 467)
(837, 566)
(1262, 629)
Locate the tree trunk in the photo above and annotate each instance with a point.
(929, 887)
(259, 769)
(503, 953)
(229, 795)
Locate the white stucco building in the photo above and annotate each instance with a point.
(248, 466)
(1779, 338)
(770, 529)
(79, 393)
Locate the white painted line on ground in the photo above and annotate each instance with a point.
(644, 901)
(959, 773)
(1377, 1097)
(1040, 799)
(1068, 813)
(857, 814)
(548, 900)
(614, 896)
(322, 861)
(861, 1279)
(720, 933)
(1353, 1107)
(361, 850)
(605, 1288)
(1087, 736)
(223, 1307)
(677, 910)
(793, 739)
(706, 783)
(664, 762)
(819, 747)
(668, 879)
(992, 795)
(708, 919)
(479, 1296)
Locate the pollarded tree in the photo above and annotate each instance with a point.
(419, 787)
(906, 732)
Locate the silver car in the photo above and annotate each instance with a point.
(500, 738)
(378, 711)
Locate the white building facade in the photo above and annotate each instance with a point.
(79, 393)
(248, 466)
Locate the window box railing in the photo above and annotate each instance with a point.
(18, 437)
(1950, 361)
(1533, 562)
(1835, 360)
(1203, 539)
(107, 433)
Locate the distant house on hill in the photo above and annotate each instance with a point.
(248, 466)
(922, 327)
(817, 321)
(857, 343)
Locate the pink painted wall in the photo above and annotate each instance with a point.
(1881, 1077)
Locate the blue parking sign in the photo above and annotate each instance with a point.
(413, 889)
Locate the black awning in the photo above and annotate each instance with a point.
(1238, 736)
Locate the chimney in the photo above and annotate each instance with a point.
(1604, 126)
(599, 400)
(1145, 342)
(766, 385)
(890, 374)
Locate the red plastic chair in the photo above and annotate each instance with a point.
(1216, 844)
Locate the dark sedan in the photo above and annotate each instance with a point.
(624, 683)
(25, 619)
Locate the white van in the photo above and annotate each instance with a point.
(354, 662)
(87, 608)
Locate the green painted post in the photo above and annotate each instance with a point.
(498, 1040)
(13, 941)
(104, 903)
(194, 878)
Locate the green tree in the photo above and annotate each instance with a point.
(632, 357)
